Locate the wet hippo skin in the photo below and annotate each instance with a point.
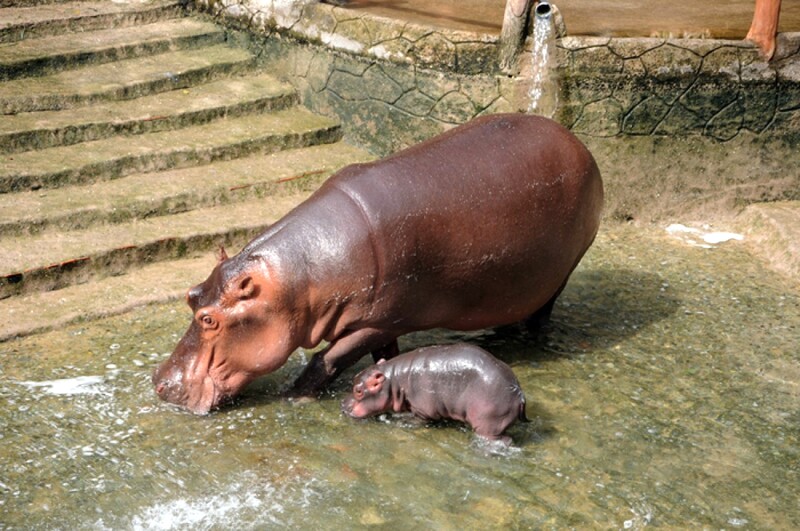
(478, 227)
(459, 382)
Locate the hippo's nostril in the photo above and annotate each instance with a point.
(160, 388)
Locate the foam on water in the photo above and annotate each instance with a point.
(80, 385)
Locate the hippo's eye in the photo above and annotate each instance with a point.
(207, 321)
(358, 391)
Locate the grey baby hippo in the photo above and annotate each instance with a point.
(460, 382)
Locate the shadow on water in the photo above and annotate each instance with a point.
(599, 309)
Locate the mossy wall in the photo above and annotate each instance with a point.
(678, 126)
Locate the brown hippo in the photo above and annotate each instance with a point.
(459, 382)
(478, 227)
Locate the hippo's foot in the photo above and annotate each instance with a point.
(498, 445)
(327, 364)
(299, 400)
(538, 320)
(494, 438)
(308, 386)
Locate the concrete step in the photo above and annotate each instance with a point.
(122, 155)
(46, 55)
(52, 261)
(159, 112)
(128, 79)
(18, 22)
(134, 143)
(241, 207)
(162, 193)
(29, 3)
(160, 282)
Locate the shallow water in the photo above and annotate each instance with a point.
(666, 392)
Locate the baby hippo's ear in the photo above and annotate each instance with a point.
(381, 361)
(375, 381)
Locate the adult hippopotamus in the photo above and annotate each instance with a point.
(478, 227)
(459, 382)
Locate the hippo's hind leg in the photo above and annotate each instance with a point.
(489, 425)
(541, 317)
(327, 364)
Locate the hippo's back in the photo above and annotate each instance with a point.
(488, 220)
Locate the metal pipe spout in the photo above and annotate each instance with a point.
(543, 10)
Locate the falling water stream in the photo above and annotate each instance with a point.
(543, 93)
(665, 392)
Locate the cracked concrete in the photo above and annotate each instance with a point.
(678, 87)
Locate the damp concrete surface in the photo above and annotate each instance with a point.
(665, 392)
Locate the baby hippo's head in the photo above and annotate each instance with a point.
(371, 394)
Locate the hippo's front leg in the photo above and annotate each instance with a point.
(327, 364)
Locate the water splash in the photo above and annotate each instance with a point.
(543, 94)
(80, 385)
(249, 503)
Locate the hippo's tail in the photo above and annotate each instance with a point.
(521, 416)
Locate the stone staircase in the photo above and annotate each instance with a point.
(134, 141)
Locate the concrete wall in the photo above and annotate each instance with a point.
(679, 127)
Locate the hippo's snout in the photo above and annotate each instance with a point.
(347, 406)
(168, 382)
(356, 409)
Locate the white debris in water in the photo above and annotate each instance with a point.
(721, 237)
(80, 385)
(707, 239)
(382, 52)
(341, 42)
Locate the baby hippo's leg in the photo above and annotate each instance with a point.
(489, 422)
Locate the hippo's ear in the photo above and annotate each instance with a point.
(244, 287)
(222, 255)
(239, 288)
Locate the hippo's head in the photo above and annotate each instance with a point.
(240, 330)
(371, 394)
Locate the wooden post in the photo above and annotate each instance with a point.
(764, 27)
(512, 35)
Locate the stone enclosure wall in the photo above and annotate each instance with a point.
(678, 126)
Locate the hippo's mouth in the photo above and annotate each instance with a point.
(207, 399)
(199, 395)
(354, 409)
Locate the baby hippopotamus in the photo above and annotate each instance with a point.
(460, 382)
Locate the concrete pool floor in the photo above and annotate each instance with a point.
(664, 392)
